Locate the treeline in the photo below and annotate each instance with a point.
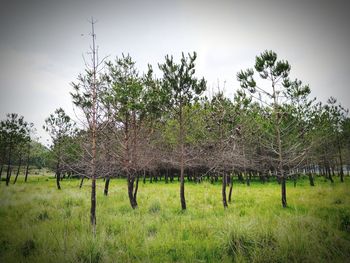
(145, 127)
(138, 126)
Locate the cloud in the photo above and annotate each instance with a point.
(33, 86)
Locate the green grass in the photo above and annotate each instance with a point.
(38, 223)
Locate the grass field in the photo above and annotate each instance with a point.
(39, 223)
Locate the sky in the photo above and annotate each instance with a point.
(42, 44)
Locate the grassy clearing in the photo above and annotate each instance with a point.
(41, 224)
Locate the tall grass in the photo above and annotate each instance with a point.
(38, 223)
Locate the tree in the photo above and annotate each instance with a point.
(131, 101)
(21, 149)
(277, 99)
(329, 120)
(31, 141)
(185, 88)
(125, 103)
(86, 97)
(220, 142)
(14, 133)
(338, 115)
(60, 127)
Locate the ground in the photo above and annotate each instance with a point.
(39, 223)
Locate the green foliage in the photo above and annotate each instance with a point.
(15, 140)
(14, 134)
(59, 126)
(180, 81)
(125, 87)
(39, 155)
(63, 132)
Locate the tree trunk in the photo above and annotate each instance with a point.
(81, 181)
(223, 190)
(27, 167)
(27, 172)
(58, 175)
(311, 179)
(328, 171)
(240, 177)
(182, 187)
(171, 176)
(166, 176)
(93, 205)
(106, 186)
(284, 194)
(18, 169)
(131, 192)
(2, 166)
(8, 172)
(231, 186)
(136, 188)
(341, 161)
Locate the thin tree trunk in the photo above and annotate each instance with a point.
(18, 169)
(231, 186)
(8, 172)
(182, 186)
(27, 167)
(223, 190)
(136, 188)
(27, 172)
(58, 175)
(311, 179)
(81, 181)
(131, 191)
(283, 190)
(341, 161)
(171, 176)
(328, 171)
(240, 177)
(166, 175)
(2, 166)
(93, 205)
(106, 186)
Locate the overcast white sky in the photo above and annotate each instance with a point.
(41, 45)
